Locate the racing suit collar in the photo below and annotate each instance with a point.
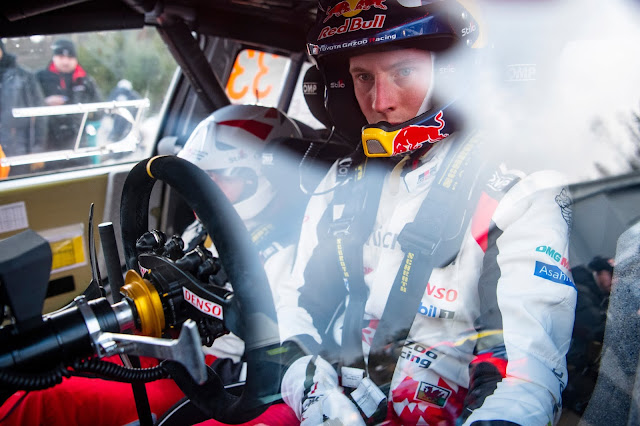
(419, 172)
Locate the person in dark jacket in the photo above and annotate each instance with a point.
(65, 82)
(593, 282)
(19, 89)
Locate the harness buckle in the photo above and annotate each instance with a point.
(416, 238)
(341, 227)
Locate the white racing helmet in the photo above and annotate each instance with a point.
(231, 141)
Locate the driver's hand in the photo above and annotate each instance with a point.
(310, 388)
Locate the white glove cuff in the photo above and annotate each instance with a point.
(293, 382)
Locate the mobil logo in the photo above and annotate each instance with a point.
(203, 305)
(435, 312)
(351, 8)
(549, 251)
(449, 295)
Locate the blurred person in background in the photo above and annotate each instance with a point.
(19, 89)
(65, 82)
(594, 283)
(122, 126)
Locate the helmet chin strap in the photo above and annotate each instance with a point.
(426, 102)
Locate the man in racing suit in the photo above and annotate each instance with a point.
(483, 339)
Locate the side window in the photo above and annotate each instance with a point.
(81, 100)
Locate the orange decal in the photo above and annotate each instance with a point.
(254, 63)
(235, 72)
(4, 170)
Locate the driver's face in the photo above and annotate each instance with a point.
(391, 86)
(231, 186)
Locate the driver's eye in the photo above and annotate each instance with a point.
(405, 72)
(364, 77)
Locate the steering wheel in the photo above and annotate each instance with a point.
(255, 316)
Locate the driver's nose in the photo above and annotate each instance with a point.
(384, 96)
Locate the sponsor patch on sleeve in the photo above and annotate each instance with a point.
(552, 273)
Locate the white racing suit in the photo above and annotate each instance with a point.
(492, 329)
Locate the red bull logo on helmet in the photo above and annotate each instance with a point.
(413, 137)
(351, 8)
(353, 24)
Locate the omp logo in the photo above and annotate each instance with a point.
(203, 305)
(554, 255)
(310, 88)
(521, 72)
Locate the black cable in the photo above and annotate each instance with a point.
(33, 381)
(115, 372)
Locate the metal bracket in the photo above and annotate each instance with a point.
(187, 349)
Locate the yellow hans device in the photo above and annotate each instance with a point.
(378, 142)
(383, 140)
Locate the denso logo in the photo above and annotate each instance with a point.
(554, 255)
(468, 30)
(441, 293)
(353, 24)
(205, 306)
(337, 85)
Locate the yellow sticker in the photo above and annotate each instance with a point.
(67, 252)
